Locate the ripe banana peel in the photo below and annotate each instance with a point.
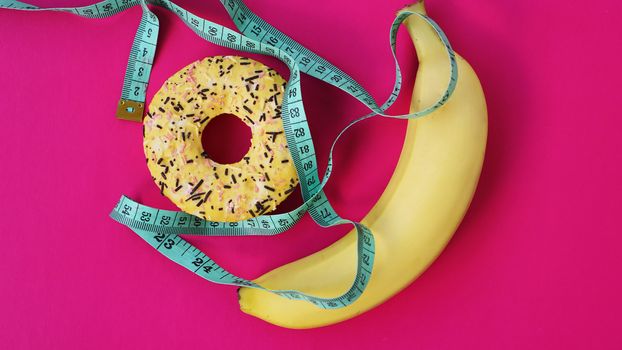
(416, 215)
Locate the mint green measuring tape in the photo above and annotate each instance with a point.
(161, 228)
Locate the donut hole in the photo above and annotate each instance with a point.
(226, 139)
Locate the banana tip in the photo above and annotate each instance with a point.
(243, 306)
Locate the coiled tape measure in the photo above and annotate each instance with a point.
(161, 228)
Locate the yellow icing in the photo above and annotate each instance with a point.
(179, 112)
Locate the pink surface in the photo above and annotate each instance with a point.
(535, 264)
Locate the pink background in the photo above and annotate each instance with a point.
(535, 264)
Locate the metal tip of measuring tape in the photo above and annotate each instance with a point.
(130, 110)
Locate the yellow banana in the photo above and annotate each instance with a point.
(416, 215)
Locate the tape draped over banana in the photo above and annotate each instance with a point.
(417, 214)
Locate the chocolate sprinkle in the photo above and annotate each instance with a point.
(274, 134)
(195, 196)
(197, 186)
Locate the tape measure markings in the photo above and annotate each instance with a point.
(131, 105)
(171, 248)
(140, 62)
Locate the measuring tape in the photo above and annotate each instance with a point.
(161, 228)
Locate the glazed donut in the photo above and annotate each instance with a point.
(183, 171)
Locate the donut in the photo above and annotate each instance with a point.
(184, 172)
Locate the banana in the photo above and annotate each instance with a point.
(416, 215)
